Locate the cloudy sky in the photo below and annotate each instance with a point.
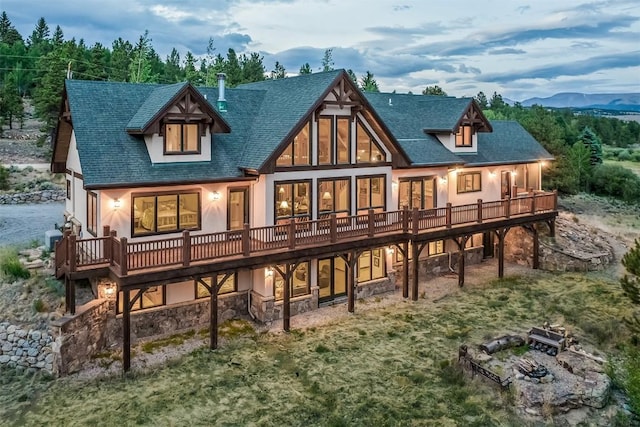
(519, 49)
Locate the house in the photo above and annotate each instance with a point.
(276, 197)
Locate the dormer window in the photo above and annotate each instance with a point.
(181, 138)
(464, 136)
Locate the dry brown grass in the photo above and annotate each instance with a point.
(389, 365)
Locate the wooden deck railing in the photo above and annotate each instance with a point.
(127, 256)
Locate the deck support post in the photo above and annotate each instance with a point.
(536, 248)
(213, 312)
(415, 253)
(351, 284)
(405, 269)
(126, 331)
(72, 296)
(286, 296)
(501, 233)
(461, 242)
(552, 227)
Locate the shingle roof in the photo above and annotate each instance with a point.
(157, 99)
(261, 116)
(407, 116)
(508, 143)
(285, 103)
(109, 156)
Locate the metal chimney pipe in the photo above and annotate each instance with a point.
(222, 103)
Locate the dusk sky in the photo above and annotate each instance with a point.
(516, 48)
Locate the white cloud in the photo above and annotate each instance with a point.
(407, 44)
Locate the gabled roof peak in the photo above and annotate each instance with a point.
(162, 98)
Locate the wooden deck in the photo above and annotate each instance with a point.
(87, 257)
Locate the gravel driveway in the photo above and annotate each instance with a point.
(22, 224)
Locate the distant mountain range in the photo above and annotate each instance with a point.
(628, 102)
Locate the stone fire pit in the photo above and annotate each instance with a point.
(544, 385)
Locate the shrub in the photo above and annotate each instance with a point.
(624, 155)
(616, 181)
(11, 267)
(635, 156)
(55, 286)
(4, 178)
(631, 378)
(39, 306)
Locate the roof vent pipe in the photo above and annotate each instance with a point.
(222, 103)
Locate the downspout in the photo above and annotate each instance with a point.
(450, 268)
(249, 298)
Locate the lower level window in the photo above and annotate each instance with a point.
(151, 297)
(433, 248)
(228, 285)
(299, 282)
(371, 265)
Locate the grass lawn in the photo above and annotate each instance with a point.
(392, 365)
(634, 166)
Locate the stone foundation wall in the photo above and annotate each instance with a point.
(267, 309)
(177, 318)
(26, 350)
(41, 196)
(553, 256)
(376, 287)
(80, 337)
(437, 265)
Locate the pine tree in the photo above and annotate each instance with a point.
(191, 74)
(434, 90)
(140, 67)
(40, 34)
(352, 76)
(593, 143)
(327, 60)
(232, 69)
(58, 36)
(631, 283)
(278, 72)
(481, 99)
(8, 33)
(368, 83)
(11, 107)
(121, 54)
(305, 69)
(252, 68)
(172, 70)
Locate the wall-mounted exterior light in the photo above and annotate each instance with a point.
(117, 204)
(215, 196)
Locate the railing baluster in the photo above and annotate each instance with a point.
(124, 256)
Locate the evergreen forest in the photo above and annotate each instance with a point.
(33, 67)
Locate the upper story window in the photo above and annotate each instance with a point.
(165, 213)
(325, 140)
(334, 196)
(92, 213)
(367, 149)
(469, 182)
(417, 193)
(293, 200)
(464, 136)
(181, 138)
(334, 136)
(371, 194)
(298, 152)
